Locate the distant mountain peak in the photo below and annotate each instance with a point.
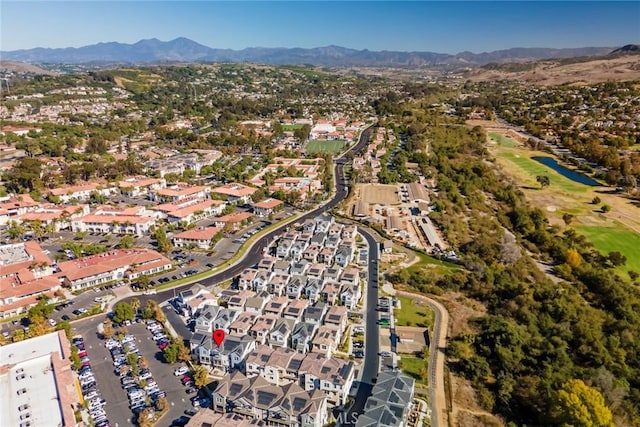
(628, 48)
(182, 49)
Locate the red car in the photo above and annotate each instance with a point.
(163, 345)
(186, 380)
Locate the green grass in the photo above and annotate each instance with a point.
(502, 140)
(325, 146)
(433, 264)
(413, 366)
(609, 239)
(413, 313)
(291, 127)
(533, 169)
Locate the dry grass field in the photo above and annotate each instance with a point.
(552, 72)
(379, 193)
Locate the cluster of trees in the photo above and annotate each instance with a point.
(37, 321)
(561, 111)
(538, 338)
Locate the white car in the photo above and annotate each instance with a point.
(52, 322)
(98, 300)
(111, 344)
(180, 371)
(91, 395)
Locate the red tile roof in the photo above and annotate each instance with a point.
(234, 189)
(102, 263)
(268, 203)
(199, 233)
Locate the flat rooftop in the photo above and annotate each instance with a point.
(30, 374)
(14, 254)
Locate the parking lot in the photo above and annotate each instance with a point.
(117, 406)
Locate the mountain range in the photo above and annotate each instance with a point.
(186, 50)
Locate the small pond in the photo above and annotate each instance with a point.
(566, 172)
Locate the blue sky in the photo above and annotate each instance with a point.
(447, 27)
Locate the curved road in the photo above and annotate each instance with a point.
(254, 253)
(437, 346)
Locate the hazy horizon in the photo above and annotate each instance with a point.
(443, 27)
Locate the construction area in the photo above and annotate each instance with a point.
(401, 209)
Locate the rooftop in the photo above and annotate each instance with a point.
(41, 367)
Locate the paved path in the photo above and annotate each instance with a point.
(437, 348)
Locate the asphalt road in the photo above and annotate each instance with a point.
(254, 253)
(372, 335)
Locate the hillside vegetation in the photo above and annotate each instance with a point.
(544, 350)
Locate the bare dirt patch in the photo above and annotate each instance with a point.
(461, 310)
(465, 411)
(379, 194)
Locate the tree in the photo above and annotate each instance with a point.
(65, 326)
(96, 197)
(18, 335)
(629, 183)
(41, 310)
(145, 418)
(132, 360)
(122, 312)
(184, 354)
(567, 218)
(170, 353)
(200, 376)
(143, 363)
(573, 258)
(25, 176)
(144, 282)
(580, 405)
(96, 146)
(149, 309)
(38, 229)
(15, 231)
(76, 363)
(164, 243)
(302, 133)
(616, 258)
(543, 180)
(162, 404)
(127, 242)
(135, 304)
(605, 208)
(596, 200)
(108, 331)
(158, 314)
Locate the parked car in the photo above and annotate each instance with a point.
(180, 370)
(181, 421)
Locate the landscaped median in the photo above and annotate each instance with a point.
(237, 257)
